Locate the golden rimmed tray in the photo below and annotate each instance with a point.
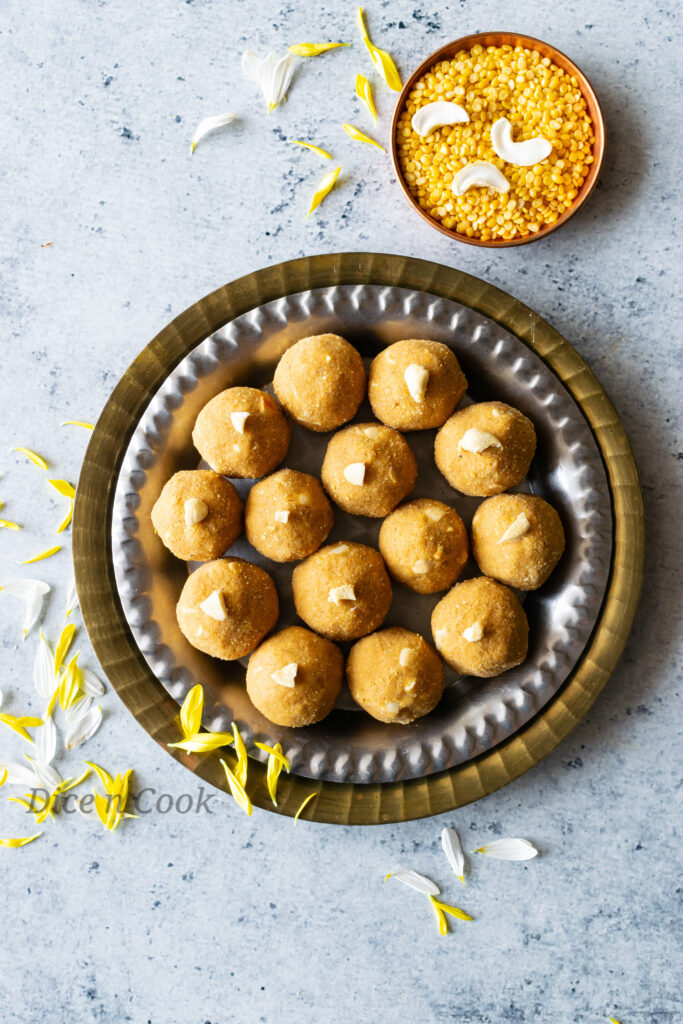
(148, 700)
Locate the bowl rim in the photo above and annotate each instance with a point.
(563, 61)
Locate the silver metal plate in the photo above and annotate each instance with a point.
(474, 715)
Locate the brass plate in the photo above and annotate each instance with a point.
(343, 803)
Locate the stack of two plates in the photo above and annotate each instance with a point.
(484, 733)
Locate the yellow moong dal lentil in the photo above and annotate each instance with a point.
(538, 98)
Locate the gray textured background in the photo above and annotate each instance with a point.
(216, 917)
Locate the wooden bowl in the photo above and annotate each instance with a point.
(557, 57)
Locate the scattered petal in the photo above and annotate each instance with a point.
(3, 777)
(361, 136)
(7, 524)
(383, 61)
(453, 911)
(71, 598)
(313, 49)
(78, 423)
(70, 683)
(67, 518)
(191, 712)
(78, 710)
(63, 645)
(418, 882)
(323, 189)
(304, 804)
(19, 842)
(33, 593)
(275, 751)
(63, 487)
(242, 766)
(237, 789)
(509, 849)
(20, 775)
(103, 775)
(46, 742)
(83, 728)
(91, 684)
(272, 73)
(450, 841)
(43, 554)
(314, 149)
(19, 724)
(209, 124)
(203, 742)
(47, 776)
(33, 457)
(43, 675)
(275, 765)
(440, 916)
(364, 92)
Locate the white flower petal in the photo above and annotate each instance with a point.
(92, 684)
(450, 842)
(415, 881)
(509, 849)
(71, 599)
(46, 742)
(272, 73)
(83, 728)
(32, 592)
(45, 774)
(19, 774)
(43, 669)
(209, 124)
(78, 710)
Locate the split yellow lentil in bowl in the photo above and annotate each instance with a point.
(491, 80)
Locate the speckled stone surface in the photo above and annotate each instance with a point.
(213, 916)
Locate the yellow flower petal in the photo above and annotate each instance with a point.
(453, 911)
(52, 701)
(78, 423)
(63, 645)
(237, 789)
(364, 92)
(383, 61)
(72, 783)
(276, 751)
(613, 1020)
(276, 762)
(191, 712)
(67, 519)
(9, 525)
(3, 778)
(33, 457)
(440, 917)
(101, 807)
(305, 803)
(361, 136)
(63, 487)
(13, 843)
(20, 723)
(70, 683)
(22, 803)
(242, 766)
(325, 186)
(313, 49)
(42, 555)
(103, 775)
(203, 742)
(315, 149)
